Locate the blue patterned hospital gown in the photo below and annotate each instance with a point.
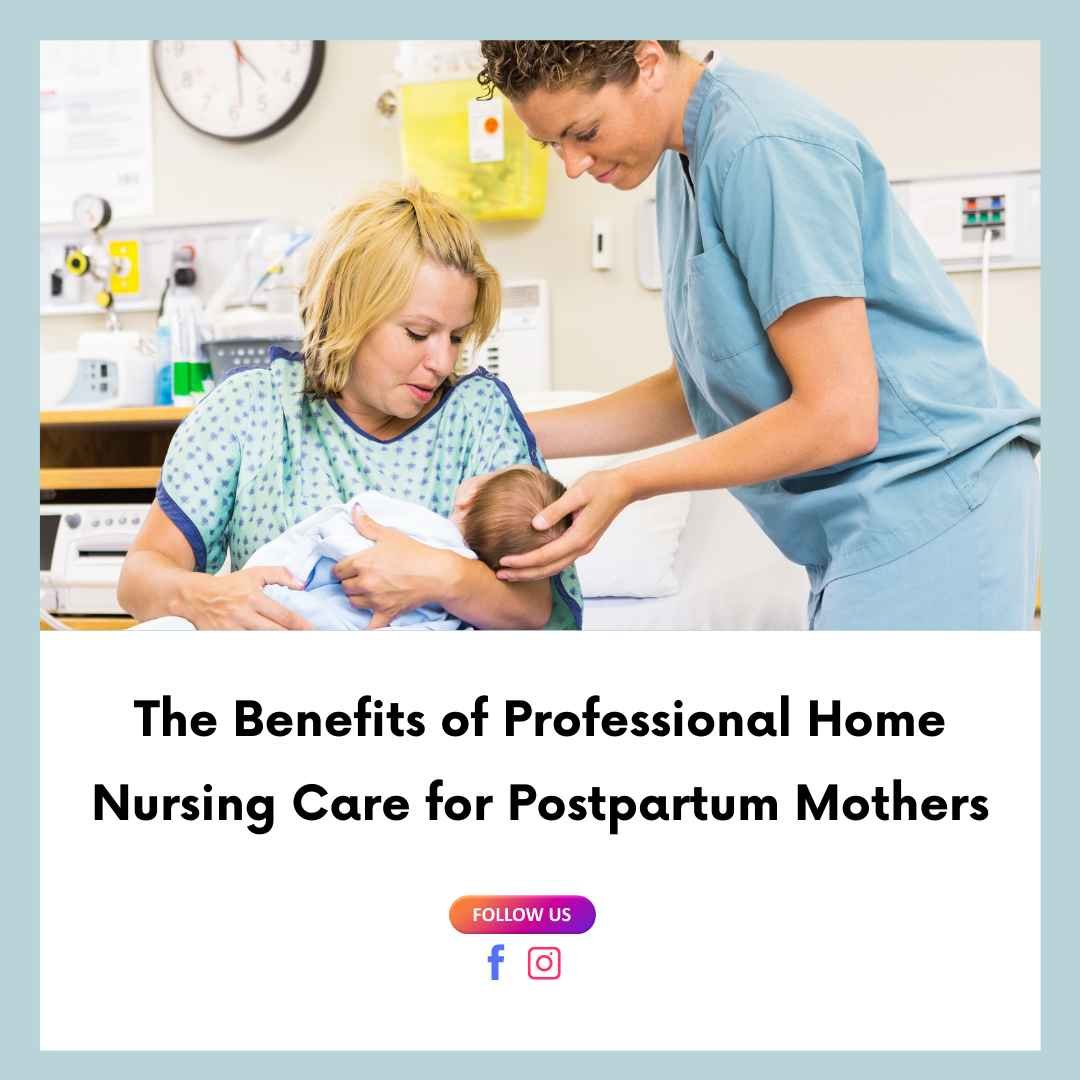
(257, 456)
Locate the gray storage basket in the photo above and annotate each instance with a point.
(230, 353)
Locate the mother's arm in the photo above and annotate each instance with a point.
(159, 578)
(399, 574)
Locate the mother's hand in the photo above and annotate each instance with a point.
(236, 601)
(595, 501)
(395, 576)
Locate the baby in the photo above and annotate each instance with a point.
(492, 517)
(495, 512)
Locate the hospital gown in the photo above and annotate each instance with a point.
(311, 549)
(257, 456)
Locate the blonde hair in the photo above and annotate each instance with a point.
(363, 267)
(499, 519)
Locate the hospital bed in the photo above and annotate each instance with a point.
(730, 577)
(689, 561)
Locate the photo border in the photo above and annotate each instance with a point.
(782, 19)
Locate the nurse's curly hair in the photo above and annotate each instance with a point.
(362, 269)
(517, 68)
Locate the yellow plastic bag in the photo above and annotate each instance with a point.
(476, 154)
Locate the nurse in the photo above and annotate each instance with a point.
(830, 368)
(395, 284)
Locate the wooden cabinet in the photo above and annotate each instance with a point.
(101, 450)
(105, 449)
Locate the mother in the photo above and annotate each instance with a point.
(821, 353)
(396, 283)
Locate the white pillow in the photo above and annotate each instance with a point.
(636, 556)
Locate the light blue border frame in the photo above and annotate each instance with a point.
(790, 19)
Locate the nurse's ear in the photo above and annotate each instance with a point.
(654, 68)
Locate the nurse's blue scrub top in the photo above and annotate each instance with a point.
(779, 201)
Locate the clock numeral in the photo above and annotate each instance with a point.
(260, 102)
(186, 79)
(206, 101)
(292, 46)
(234, 114)
(177, 48)
(287, 76)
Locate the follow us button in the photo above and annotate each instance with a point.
(522, 914)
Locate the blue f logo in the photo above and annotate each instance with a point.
(495, 958)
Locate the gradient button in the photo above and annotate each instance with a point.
(522, 914)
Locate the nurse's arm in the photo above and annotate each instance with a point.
(647, 413)
(831, 416)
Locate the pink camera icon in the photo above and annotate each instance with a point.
(545, 962)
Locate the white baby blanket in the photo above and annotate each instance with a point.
(311, 548)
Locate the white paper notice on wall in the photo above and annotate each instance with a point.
(486, 141)
(95, 127)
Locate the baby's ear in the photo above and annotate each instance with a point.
(466, 492)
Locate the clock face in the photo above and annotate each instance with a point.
(238, 90)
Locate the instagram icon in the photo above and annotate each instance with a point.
(545, 963)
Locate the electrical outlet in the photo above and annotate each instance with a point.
(125, 255)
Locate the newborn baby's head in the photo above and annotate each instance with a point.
(498, 521)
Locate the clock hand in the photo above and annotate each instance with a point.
(241, 58)
(255, 69)
(239, 80)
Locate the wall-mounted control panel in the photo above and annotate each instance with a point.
(141, 259)
(519, 349)
(981, 214)
(956, 215)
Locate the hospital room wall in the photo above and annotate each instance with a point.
(928, 108)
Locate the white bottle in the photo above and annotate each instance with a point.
(183, 312)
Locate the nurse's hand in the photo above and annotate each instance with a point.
(595, 501)
(395, 576)
(236, 601)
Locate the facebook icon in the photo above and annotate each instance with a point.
(495, 958)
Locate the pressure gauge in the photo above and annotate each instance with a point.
(92, 212)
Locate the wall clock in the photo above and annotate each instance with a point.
(238, 90)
